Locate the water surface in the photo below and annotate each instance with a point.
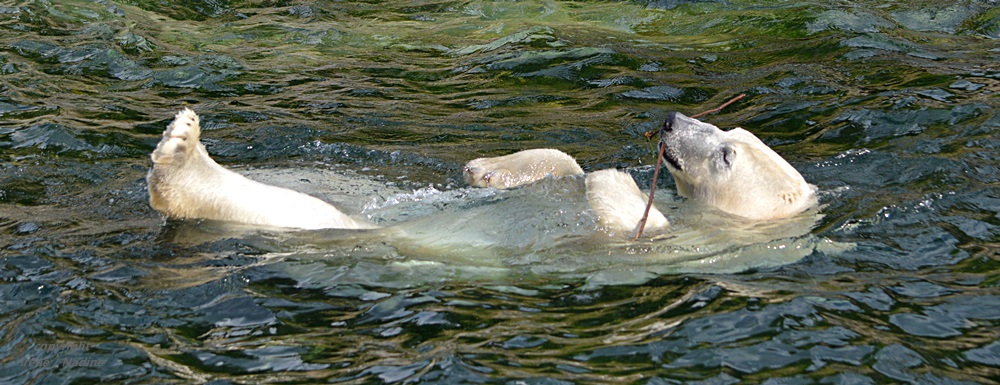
(889, 108)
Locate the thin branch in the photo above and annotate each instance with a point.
(652, 189)
(719, 108)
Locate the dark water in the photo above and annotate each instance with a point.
(889, 108)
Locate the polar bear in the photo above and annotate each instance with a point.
(519, 168)
(732, 171)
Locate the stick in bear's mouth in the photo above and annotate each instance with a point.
(667, 123)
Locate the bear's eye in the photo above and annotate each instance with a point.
(728, 156)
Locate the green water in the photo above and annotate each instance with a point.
(889, 108)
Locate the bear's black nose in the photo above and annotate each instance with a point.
(668, 123)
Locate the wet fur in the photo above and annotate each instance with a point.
(733, 171)
(185, 183)
(730, 170)
(519, 168)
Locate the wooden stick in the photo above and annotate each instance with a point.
(659, 159)
(719, 108)
(652, 189)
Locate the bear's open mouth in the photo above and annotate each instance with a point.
(667, 156)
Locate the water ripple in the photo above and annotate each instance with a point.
(890, 109)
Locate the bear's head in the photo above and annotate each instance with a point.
(732, 170)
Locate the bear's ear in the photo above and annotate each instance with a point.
(728, 155)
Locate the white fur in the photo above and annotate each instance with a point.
(730, 170)
(185, 183)
(618, 202)
(519, 168)
(733, 171)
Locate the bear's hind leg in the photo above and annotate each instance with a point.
(186, 183)
(180, 165)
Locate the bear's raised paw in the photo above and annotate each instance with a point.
(180, 137)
